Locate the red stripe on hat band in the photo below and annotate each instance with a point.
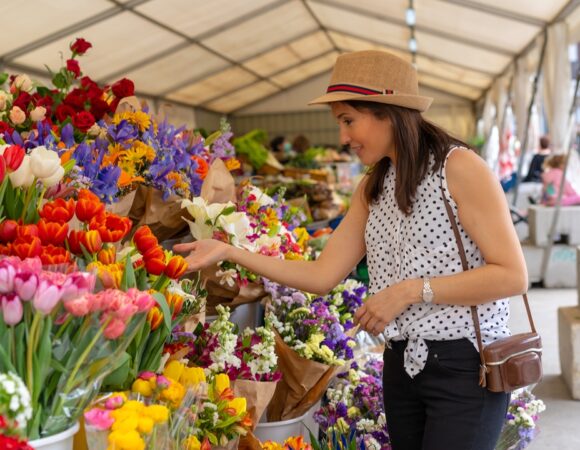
(356, 89)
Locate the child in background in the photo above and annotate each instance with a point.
(552, 179)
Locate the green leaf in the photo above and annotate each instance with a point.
(3, 77)
(212, 137)
(59, 80)
(162, 302)
(128, 280)
(118, 377)
(43, 91)
(227, 211)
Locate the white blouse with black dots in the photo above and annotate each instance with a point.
(421, 245)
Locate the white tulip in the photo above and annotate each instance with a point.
(44, 163)
(23, 176)
(54, 179)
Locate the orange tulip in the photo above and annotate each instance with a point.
(26, 230)
(155, 260)
(92, 241)
(54, 255)
(112, 228)
(107, 255)
(27, 247)
(154, 317)
(74, 241)
(176, 267)
(59, 210)
(52, 232)
(175, 302)
(88, 206)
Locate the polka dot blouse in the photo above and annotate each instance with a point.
(421, 245)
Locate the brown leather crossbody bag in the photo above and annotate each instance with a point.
(509, 363)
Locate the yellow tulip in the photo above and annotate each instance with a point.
(146, 425)
(239, 404)
(158, 413)
(192, 443)
(174, 370)
(142, 387)
(192, 376)
(222, 382)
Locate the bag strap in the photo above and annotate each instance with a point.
(462, 256)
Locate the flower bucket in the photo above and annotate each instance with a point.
(280, 431)
(60, 441)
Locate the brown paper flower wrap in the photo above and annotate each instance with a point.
(258, 395)
(250, 442)
(123, 206)
(303, 383)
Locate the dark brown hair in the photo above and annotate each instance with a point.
(301, 143)
(555, 162)
(544, 142)
(415, 139)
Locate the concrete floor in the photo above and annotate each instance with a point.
(560, 423)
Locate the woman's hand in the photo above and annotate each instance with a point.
(383, 307)
(204, 253)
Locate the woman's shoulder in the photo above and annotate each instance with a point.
(465, 170)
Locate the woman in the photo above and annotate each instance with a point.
(421, 298)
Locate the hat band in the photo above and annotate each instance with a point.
(357, 89)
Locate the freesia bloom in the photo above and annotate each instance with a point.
(44, 163)
(222, 382)
(99, 418)
(11, 309)
(238, 404)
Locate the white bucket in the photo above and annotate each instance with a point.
(280, 431)
(60, 441)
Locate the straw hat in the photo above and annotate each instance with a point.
(374, 76)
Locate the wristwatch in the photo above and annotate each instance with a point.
(428, 294)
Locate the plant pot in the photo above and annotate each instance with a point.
(282, 430)
(60, 441)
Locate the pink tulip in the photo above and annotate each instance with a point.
(126, 311)
(7, 273)
(47, 296)
(11, 309)
(79, 306)
(112, 299)
(143, 300)
(114, 329)
(114, 402)
(77, 284)
(25, 284)
(99, 418)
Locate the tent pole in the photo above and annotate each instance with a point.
(524, 145)
(569, 146)
(503, 118)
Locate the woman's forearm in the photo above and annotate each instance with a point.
(306, 276)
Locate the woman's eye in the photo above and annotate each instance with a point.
(347, 121)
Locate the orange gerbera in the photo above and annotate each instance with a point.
(202, 166)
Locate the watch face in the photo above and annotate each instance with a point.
(428, 296)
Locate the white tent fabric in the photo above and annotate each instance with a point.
(556, 76)
(224, 55)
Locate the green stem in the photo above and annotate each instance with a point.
(27, 198)
(161, 283)
(41, 196)
(30, 352)
(63, 327)
(12, 343)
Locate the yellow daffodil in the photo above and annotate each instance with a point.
(238, 404)
(192, 443)
(222, 382)
(142, 387)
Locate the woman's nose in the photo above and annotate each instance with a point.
(344, 138)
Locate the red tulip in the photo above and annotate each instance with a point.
(52, 232)
(2, 168)
(27, 247)
(144, 239)
(176, 267)
(26, 230)
(13, 157)
(58, 210)
(154, 260)
(74, 240)
(8, 230)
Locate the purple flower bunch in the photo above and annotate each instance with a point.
(353, 404)
(520, 427)
(316, 327)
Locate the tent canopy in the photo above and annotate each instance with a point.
(224, 55)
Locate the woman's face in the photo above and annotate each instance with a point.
(369, 137)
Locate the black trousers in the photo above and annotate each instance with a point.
(442, 408)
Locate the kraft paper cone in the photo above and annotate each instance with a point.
(190, 323)
(123, 206)
(128, 104)
(258, 395)
(303, 383)
(219, 186)
(250, 442)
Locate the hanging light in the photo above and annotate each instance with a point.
(410, 20)
(410, 16)
(413, 44)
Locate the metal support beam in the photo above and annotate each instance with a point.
(107, 14)
(423, 29)
(243, 61)
(406, 50)
(209, 33)
(278, 72)
(322, 27)
(482, 7)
